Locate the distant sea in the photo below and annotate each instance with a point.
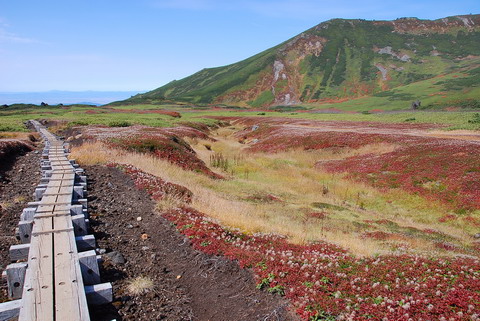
(55, 97)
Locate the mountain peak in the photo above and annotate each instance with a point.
(337, 59)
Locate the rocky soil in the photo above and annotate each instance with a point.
(17, 184)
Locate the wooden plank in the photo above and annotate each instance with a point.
(15, 279)
(99, 294)
(89, 267)
(28, 214)
(19, 252)
(69, 288)
(54, 288)
(37, 294)
(25, 231)
(79, 224)
(10, 310)
(85, 243)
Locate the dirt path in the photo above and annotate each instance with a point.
(189, 285)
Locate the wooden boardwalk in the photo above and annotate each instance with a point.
(56, 273)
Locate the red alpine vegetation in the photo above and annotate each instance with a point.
(437, 169)
(323, 282)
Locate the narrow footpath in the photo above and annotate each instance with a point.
(187, 284)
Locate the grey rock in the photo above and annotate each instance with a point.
(116, 257)
(101, 251)
(477, 236)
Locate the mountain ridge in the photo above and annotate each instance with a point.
(336, 59)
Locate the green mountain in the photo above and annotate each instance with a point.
(341, 59)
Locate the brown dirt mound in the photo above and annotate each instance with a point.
(10, 149)
(188, 285)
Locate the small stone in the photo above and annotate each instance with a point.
(116, 257)
(130, 226)
(179, 277)
(101, 251)
(145, 248)
(139, 219)
(477, 236)
(144, 236)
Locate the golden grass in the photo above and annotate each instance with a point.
(19, 199)
(470, 135)
(5, 205)
(140, 285)
(293, 178)
(17, 135)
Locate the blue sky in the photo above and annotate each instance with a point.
(142, 44)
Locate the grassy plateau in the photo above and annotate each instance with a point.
(348, 215)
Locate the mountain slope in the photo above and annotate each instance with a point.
(335, 59)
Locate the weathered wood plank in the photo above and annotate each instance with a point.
(54, 287)
(89, 267)
(99, 294)
(10, 310)
(15, 279)
(19, 252)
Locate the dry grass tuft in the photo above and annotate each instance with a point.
(19, 199)
(140, 285)
(93, 153)
(5, 205)
(170, 202)
(17, 135)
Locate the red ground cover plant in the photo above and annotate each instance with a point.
(436, 169)
(145, 111)
(324, 282)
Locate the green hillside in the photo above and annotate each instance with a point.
(344, 59)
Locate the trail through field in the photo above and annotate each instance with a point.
(138, 244)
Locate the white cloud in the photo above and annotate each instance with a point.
(6, 36)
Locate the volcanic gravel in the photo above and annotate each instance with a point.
(17, 183)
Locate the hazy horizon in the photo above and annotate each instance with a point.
(54, 97)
